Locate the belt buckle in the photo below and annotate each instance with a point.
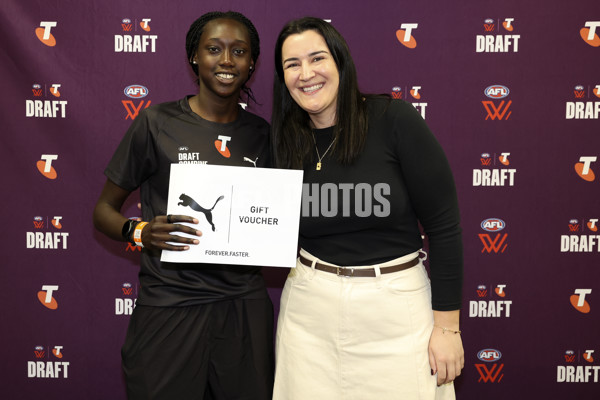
(344, 269)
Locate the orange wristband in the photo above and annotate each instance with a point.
(137, 233)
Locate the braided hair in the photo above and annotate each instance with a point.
(197, 28)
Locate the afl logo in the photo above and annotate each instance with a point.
(396, 92)
(136, 91)
(485, 155)
(489, 355)
(488, 21)
(38, 219)
(127, 285)
(579, 87)
(493, 225)
(126, 21)
(37, 86)
(573, 221)
(496, 92)
(183, 148)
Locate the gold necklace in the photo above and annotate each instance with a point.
(317, 149)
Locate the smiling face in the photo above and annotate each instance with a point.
(311, 76)
(223, 58)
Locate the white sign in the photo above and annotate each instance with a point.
(248, 216)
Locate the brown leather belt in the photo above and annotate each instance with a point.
(359, 272)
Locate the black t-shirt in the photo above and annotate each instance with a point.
(171, 133)
(369, 212)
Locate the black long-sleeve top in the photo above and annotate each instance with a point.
(369, 212)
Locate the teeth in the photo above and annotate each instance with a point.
(225, 76)
(312, 88)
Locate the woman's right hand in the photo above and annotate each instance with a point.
(159, 231)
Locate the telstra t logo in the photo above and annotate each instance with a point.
(578, 300)
(45, 296)
(584, 170)
(44, 35)
(404, 35)
(45, 166)
(144, 24)
(588, 34)
(221, 146)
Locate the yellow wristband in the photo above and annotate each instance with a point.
(137, 233)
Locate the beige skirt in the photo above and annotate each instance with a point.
(356, 338)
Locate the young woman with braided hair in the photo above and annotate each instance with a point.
(199, 331)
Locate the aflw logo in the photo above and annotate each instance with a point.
(125, 306)
(575, 226)
(414, 95)
(494, 176)
(578, 373)
(135, 43)
(51, 368)
(38, 222)
(132, 247)
(37, 90)
(497, 43)
(577, 241)
(127, 289)
(487, 374)
(396, 92)
(484, 308)
(404, 35)
(586, 356)
(135, 92)
(582, 109)
(499, 111)
(43, 108)
(40, 352)
(496, 244)
(47, 240)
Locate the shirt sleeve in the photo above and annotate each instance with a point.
(432, 193)
(135, 158)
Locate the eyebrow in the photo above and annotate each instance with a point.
(310, 55)
(216, 39)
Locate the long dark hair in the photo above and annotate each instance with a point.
(292, 136)
(197, 28)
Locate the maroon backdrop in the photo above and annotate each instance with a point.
(510, 88)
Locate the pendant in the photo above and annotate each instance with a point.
(318, 166)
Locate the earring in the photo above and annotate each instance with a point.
(251, 68)
(194, 62)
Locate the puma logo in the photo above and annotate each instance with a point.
(250, 161)
(187, 201)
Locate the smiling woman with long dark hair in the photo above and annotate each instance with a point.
(359, 317)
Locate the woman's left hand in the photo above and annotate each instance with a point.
(446, 354)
